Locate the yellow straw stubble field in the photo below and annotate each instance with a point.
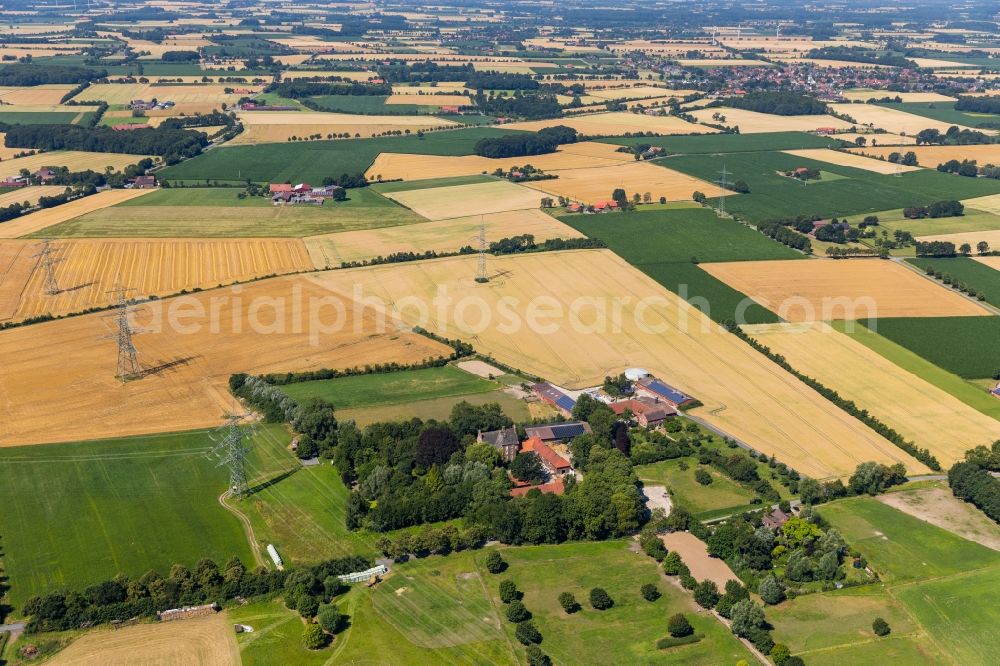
(752, 122)
(618, 122)
(329, 250)
(919, 411)
(826, 289)
(279, 126)
(402, 166)
(28, 224)
(74, 160)
(596, 184)
(202, 641)
(931, 156)
(538, 313)
(851, 160)
(892, 120)
(442, 203)
(88, 268)
(187, 355)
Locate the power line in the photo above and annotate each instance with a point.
(481, 275)
(722, 189)
(47, 261)
(232, 454)
(128, 357)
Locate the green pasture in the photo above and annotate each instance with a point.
(723, 493)
(700, 144)
(961, 345)
(979, 276)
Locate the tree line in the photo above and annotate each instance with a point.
(173, 144)
(34, 74)
(523, 144)
(781, 103)
(298, 89)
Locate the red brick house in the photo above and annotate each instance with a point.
(552, 462)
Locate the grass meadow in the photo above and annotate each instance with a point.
(440, 408)
(971, 220)
(944, 112)
(664, 244)
(939, 596)
(78, 513)
(391, 388)
(723, 493)
(857, 191)
(970, 350)
(980, 277)
(38, 117)
(315, 160)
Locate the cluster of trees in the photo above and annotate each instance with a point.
(935, 249)
(849, 406)
(988, 104)
(909, 158)
(122, 597)
(526, 243)
(525, 143)
(947, 279)
(532, 106)
(861, 54)
(34, 74)
(739, 467)
(299, 89)
(501, 81)
(952, 137)
(972, 482)
(778, 102)
(949, 208)
(213, 119)
(965, 168)
(180, 56)
(172, 144)
(399, 71)
(779, 231)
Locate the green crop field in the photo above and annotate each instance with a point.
(944, 112)
(625, 633)
(391, 388)
(372, 104)
(38, 117)
(217, 213)
(730, 143)
(315, 160)
(662, 244)
(960, 345)
(722, 493)
(900, 547)
(773, 195)
(893, 649)
(980, 277)
(77, 513)
(966, 391)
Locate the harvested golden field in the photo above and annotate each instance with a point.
(596, 184)
(851, 160)
(971, 237)
(46, 94)
(931, 156)
(441, 203)
(989, 203)
(30, 194)
(89, 268)
(992, 262)
(74, 160)
(428, 100)
(751, 122)
(918, 410)
(33, 222)
(826, 289)
(16, 267)
(892, 120)
(201, 641)
(442, 236)
(404, 166)
(618, 122)
(279, 126)
(540, 313)
(189, 347)
(865, 94)
(934, 63)
(694, 552)
(123, 93)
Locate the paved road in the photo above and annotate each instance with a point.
(15, 629)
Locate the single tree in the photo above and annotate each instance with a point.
(494, 562)
(508, 591)
(702, 477)
(706, 593)
(780, 654)
(650, 592)
(527, 466)
(526, 633)
(771, 590)
(881, 627)
(516, 612)
(568, 602)
(313, 637)
(536, 657)
(600, 599)
(329, 618)
(678, 626)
